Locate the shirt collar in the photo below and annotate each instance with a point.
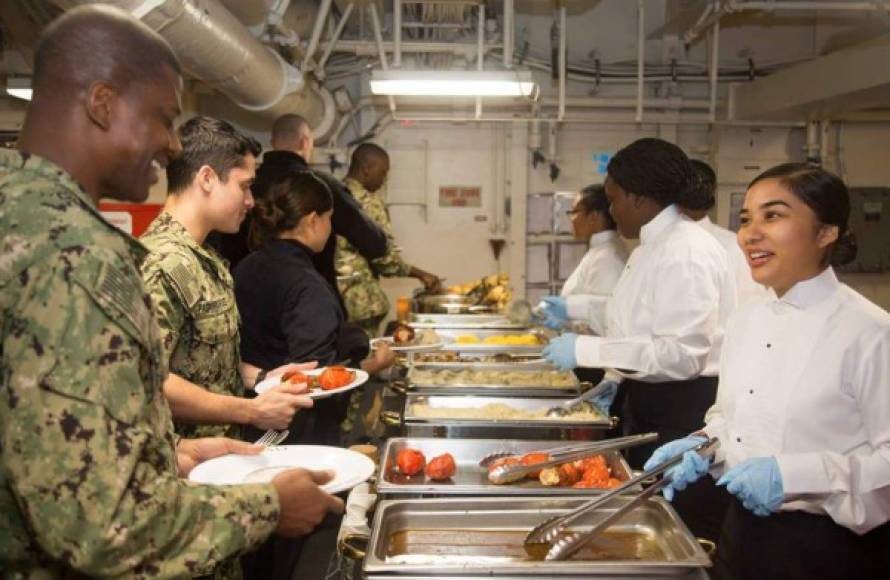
(603, 237)
(175, 229)
(811, 292)
(660, 223)
(704, 222)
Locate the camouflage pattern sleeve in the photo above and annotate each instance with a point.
(167, 305)
(390, 264)
(89, 468)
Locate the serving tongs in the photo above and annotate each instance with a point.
(509, 473)
(581, 403)
(548, 541)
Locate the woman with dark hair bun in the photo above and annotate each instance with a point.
(288, 310)
(803, 404)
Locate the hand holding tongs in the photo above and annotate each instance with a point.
(510, 473)
(548, 532)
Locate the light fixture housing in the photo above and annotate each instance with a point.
(452, 83)
(19, 87)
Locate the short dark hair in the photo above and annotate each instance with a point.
(700, 195)
(212, 142)
(593, 199)
(826, 194)
(75, 51)
(289, 128)
(289, 199)
(365, 154)
(652, 168)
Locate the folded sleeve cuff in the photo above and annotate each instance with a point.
(587, 351)
(802, 474)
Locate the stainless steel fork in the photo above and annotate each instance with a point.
(271, 438)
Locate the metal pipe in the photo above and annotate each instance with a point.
(641, 55)
(217, 49)
(378, 36)
(397, 33)
(480, 47)
(317, 29)
(362, 48)
(336, 36)
(508, 33)
(562, 61)
(610, 119)
(715, 55)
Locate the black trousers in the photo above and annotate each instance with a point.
(673, 410)
(798, 546)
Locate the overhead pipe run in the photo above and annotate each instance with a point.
(216, 48)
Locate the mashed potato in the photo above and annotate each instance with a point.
(516, 378)
(498, 412)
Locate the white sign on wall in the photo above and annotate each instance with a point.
(122, 220)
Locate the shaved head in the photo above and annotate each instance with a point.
(369, 166)
(292, 133)
(107, 92)
(98, 43)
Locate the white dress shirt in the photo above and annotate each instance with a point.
(665, 318)
(748, 289)
(592, 282)
(806, 379)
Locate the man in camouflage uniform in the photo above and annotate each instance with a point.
(89, 468)
(366, 302)
(193, 293)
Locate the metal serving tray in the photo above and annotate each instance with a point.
(547, 429)
(491, 388)
(453, 333)
(466, 321)
(487, 536)
(471, 479)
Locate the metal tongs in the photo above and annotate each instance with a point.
(581, 403)
(547, 534)
(559, 455)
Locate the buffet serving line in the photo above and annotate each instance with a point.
(495, 466)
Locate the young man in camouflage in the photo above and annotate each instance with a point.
(89, 466)
(208, 189)
(366, 302)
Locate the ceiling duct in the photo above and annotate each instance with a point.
(217, 49)
(847, 81)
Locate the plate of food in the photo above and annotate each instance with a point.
(405, 339)
(323, 383)
(350, 468)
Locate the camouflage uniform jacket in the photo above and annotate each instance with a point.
(193, 295)
(88, 477)
(362, 293)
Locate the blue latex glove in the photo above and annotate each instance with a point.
(757, 482)
(603, 401)
(561, 351)
(555, 312)
(687, 471)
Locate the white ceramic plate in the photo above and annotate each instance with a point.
(351, 468)
(408, 348)
(361, 377)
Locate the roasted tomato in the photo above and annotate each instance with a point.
(410, 461)
(403, 334)
(532, 459)
(335, 377)
(295, 378)
(441, 467)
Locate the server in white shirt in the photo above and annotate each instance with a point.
(696, 203)
(592, 282)
(662, 331)
(803, 408)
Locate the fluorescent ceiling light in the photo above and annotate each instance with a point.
(19, 88)
(452, 83)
